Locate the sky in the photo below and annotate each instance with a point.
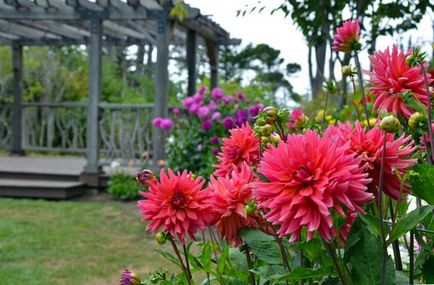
(280, 33)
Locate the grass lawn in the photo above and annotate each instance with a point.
(72, 242)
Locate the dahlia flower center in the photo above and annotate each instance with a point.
(178, 200)
(233, 153)
(303, 175)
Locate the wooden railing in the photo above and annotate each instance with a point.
(125, 129)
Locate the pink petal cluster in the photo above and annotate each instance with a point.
(367, 146)
(347, 36)
(308, 177)
(242, 146)
(176, 204)
(391, 76)
(230, 196)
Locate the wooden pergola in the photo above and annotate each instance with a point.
(110, 22)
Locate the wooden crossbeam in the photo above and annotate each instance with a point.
(25, 31)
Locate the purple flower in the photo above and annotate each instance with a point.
(241, 117)
(166, 124)
(203, 112)
(214, 151)
(216, 116)
(176, 111)
(206, 125)
(188, 102)
(241, 96)
(129, 278)
(156, 122)
(227, 99)
(255, 109)
(202, 90)
(228, 123)
(194, 108)
(217, 93)
(213, 105)
(215, 140)
(197, 98)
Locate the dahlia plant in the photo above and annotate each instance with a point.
(294, 200)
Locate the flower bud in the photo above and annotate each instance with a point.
(145, 175)
(265, 140)
(266, 130)
(275, 138)
(261, 121)
(346, 70)
(161, 163)
(409, 60)
(250, 208)
(161, 237)
(390, 124)
(130, 278)
(415, 120)
(271, 114)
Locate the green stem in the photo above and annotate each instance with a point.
(431, 136)
(186, 262)
(250, 266)
(356, 106)
(395, 244)
(360, 79)
(380, 211)
(331, 253)
(175, 248)
(325, 107)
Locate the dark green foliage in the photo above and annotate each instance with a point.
(123, 187)
(422, 182)
(264, 246)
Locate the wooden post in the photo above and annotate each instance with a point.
(213, 56)
(161, 87)
(191, 62)
(91, 171)
(17, 117)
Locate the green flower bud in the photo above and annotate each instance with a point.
(275, 138)
(266, 130)
(265, 140)
(250, 208)
(390, 124)
(161, 237)
(346, 70)
(416, 119)
(409, 60)
(271, 114)
(261, 121)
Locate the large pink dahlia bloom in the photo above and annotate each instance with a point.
(368, 146)
(347, 36)
(231, 196)
(309, 176)
(177, 204)
(242, 146)
(391, 76)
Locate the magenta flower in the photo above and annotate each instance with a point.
(217, 93)
(215, 140)
(166, 124)
(347, 37)
(214, 151)
(202, 90)
(194, 108)
(255, 109)
(216, 116)
(241, 117)
(176, 111)
(206, 125)
(227, 99)
(228, 123)
(197, 98)
(213, 105)
(156, 122)
(203, 112)
(129, 278)
(188, 102)
(241, 96)
(295, 118)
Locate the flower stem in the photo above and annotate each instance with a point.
(325, 107)
(360, 79)
(395, 244)
(380, 211)
(355, 105)
(175, 248)
(431, 137)
(330, 251)
(411, 257)
(250, 266)
(186, 261)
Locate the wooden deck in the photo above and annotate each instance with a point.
(47, 177)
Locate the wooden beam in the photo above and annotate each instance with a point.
(25, 31)
(161, 88)
(213, 56)
(17, 118)
(92, 138)
(191, 62)
(122, 31)
(67, 15)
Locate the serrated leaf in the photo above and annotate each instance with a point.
(423, 183)
(409, 221)
(263, 246)
(365, 256)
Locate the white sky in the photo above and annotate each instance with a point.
(282, 34)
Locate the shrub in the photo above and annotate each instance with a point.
(123, 187)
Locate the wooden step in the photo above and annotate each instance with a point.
(40, 188)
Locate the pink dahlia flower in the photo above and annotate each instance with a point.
(347, 36)
(176, 204)
(309, 176)
(231, 195)
(295, 118)
(166, 124)
(368, 146)
(156, 122)
(391, 76)
(241, 146)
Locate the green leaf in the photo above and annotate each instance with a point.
(238, 260)
(372, 223)
(205, 257)
(365, 254)
(427, 270)
(263, 246)
(169, 257)
(423, 182)
(305, 273)
(270, 273)
(409, 221)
